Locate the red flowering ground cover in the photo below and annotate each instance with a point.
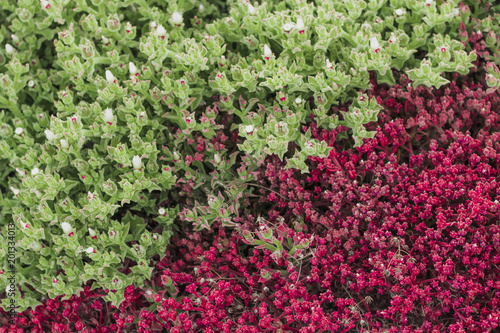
(399, 235)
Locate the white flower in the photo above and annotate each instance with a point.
(89, 250)
(132, 69)
(153, 24)
(399, 12)
(176, 17)
(105, 40)
(35, 171)
(217, 159)
(251, 9)
(19, 130)
(267, 51)
(64, 143)
(9, 49)
(456, 11)
(374, 43)
(108, 115)
(91, 232)
(49, 134)
(300, 24)
(298, 100)
(109, 76)
(287, 27)
(15, 39)
(31, 83)
(66, 227)
(160, 31)
(44, 3)
(136, 162)
(36, 246)
(249, 128)
(201, 8)
(161, 211)
(328, 63)
(15, 190)
(428, 2)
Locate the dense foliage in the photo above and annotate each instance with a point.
(227, 166)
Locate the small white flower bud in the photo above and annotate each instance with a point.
(9, 49)
(251, 9)
(35, 171)
(153, 24)
(64, 143)
(217, 159)
(267, 51)
(201, 8)
(15, 39)
(132, 69)
(91, 232)
(15, 190)
(399, 12)
(328, 63)
(176, 17)
(136, 162)
(105, 40)
(109, 76)
(19, 130)
(249, 128)
(374, 43)
(108, 115)
(298, 100)
(66, 227)
(287, 27)
(49, 134)
(428, 2)
(31, 83)
(161, 211)
(90, 250)
(300, 24)
(176, 156)
(160, 31)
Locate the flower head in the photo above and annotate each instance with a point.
(374, 44)
(90, 250)
(66, 227)
(49, 134)
(108, 115)
(399, 12)
(35, 171)
(136, 162)
(287, 27)
(109, 76)
(132, 69)
(177, 17)
(64, 143)
(300, 25)
(19, 130)
(161, 211)
(9, 48)
(249, 129)
(267, 52)
(15, 39)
